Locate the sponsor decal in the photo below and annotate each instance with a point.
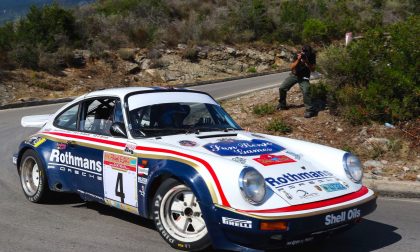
(267, 159)
(332, 187)
(142, 191)
(305, 195)
(187, 143)
(129, 148)
(301, 241)
(90, 194)
(237, 222)
(61, 146)
(351, 214)
(121, 206)
(143, 172)
(120, 179)
(243, 147)
(120, 162)
(36, 141)
(288, 195)
(239, 160)
(79, 172)
(318, 188)
(293, 178)
(67, 158)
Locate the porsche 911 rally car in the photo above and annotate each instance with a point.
(176, 156)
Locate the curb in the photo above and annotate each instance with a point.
(398, 189)
(182, 85)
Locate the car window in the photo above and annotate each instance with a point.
(171, 118)
(98, 115)
(68, 118)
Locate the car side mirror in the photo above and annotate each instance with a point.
(118, 130)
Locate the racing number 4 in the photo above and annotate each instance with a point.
(119, 187)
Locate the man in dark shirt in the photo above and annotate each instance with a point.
(301, 71)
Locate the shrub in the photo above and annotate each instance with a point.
(24, 56)
(314, 30)
(320, 95)
(377, 77)
(191, 54)
(48, 27)
(264, 109)
(251, 70)
(279, 125)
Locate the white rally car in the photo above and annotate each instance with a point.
(175, 156)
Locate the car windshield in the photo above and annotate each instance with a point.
(179, 118)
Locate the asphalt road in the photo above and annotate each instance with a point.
(73, 225)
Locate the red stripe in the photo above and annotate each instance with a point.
(203, 162)
(314, 205)
(98, 140)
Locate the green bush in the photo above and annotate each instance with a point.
(314, 30)
(279, 125)
(48, 27)
(377, 77)
(264, 109)
(191, 54)
(251, 70)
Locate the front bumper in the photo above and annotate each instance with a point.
(242, 230)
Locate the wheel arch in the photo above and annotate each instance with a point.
(22, 150)
(190, 178)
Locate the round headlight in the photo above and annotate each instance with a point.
(353, 167)
(252, 185)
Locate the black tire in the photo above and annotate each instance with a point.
(175, 205)
(34, 187)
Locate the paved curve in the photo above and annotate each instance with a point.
(72, 225)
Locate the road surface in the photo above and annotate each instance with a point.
(73, 225)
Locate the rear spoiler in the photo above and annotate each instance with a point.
(35, 121)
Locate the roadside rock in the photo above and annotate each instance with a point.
(127, 53)
(418, 177)
(377, 171)
(80, 57)
(230, 51)
(373, 164)
(131, 68)
(373, 142)
(145, 64)
(154, 75)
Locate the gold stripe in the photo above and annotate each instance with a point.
(152, 156)
(297, 215)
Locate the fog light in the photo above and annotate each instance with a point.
(270, 226)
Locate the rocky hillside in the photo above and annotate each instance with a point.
(142, 67)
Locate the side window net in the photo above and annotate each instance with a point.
(98, 116)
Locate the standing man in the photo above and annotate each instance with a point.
(301, 71)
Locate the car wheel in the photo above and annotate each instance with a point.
(178, 217)
(33, 178)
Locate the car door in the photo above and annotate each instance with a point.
(118, 165)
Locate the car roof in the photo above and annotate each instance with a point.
(120, 92)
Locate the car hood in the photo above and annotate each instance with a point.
(288, 172)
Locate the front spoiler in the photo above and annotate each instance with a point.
(300, 229)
